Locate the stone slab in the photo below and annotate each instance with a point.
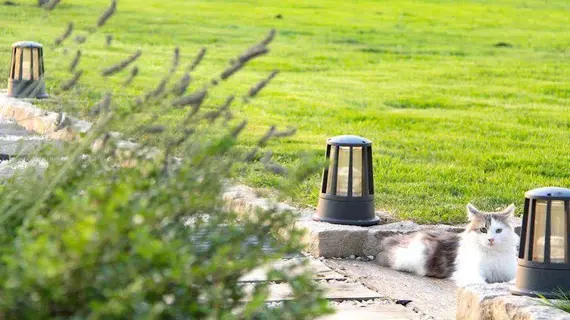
(337, 291)
(17, 141)
(326, 239)
(434, 297)
(373, 312)
(494, 301)
(60, 126)
(14, 146)
(331, 240)
(34, 119)
(9, 127)
(10, 167)
(292, 266)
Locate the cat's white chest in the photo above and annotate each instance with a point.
(476, 265)
(498, 266)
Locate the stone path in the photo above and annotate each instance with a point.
(15, 142)
(12, 137)
(350, 298)
(434, 297)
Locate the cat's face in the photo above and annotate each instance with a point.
(491, 229)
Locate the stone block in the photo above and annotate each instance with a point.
(11, 167)
(24, 145)
(332, 240)
(494, 301)
(373, 312)
(326, 239)
(60, 126)
(40, 121)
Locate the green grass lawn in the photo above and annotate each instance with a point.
(453, 117)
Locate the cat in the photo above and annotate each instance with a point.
(486, 252)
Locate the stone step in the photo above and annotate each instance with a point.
(9, 127)
(319, 270)
(9, 167)
(14, 146)
(435, 297)
(373, 312)
(338, 291)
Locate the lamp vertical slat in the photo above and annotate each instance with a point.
(13, 63)
(567, 230)
(326, 170)
(365, 182)
(35, 64)
(41, 61)
(530, 236)
(349, 191)
(524, 229)
(547, 231)
(370, 171)
(18, 64)
(21, 69)
(335, 170)
(27, 64)
(32, 63)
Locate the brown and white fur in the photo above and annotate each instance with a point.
(484, 253)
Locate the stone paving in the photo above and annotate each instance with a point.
(16, 144)
(13, 137)
(350, 298)
(432, 298)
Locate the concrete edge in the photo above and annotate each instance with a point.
(325, 239)
(494, 301)
(60, 126)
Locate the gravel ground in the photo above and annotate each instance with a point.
(9, 167)
(358, 304)
(351, 257)
(344, 303)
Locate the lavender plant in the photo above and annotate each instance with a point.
(95, 238)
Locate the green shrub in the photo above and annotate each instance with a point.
(95, 238)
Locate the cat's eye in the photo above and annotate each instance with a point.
(483, 230)
(499, 230)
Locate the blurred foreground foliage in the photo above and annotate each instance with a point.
(115, 232)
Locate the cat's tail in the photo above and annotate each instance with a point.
(404, 253)
(426, 253)
(387, 252)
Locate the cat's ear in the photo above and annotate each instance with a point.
(510, 210)
(472, 212)
(507, 213)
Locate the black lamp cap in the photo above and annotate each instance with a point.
(349, 140)
(26, 44)
(549, 193)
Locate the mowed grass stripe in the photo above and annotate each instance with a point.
(454, 115)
